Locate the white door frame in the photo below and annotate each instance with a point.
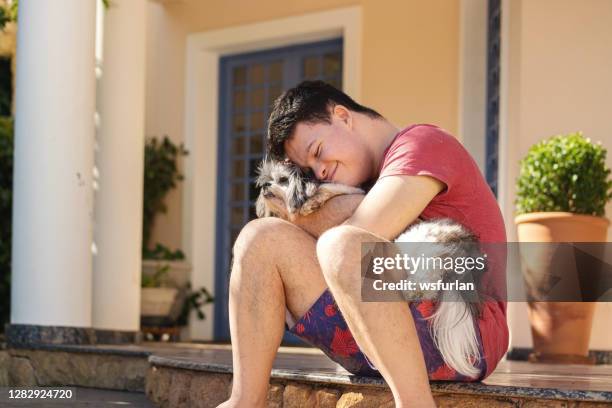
(202, 112)
(473, 79)
(472, 114)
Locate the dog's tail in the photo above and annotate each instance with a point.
(452, 324)
(454, 333)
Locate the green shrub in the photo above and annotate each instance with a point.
(160, 176)
(8, 14)
(6, 201)
(564, 173)
(195, 300)
(162, 252)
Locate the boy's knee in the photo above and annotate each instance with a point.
(340, 240)
(257, 235)
(337, 246)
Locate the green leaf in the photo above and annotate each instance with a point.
(161, 175)
(6, 205)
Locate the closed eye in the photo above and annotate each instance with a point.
(318, 152)
(283, 180)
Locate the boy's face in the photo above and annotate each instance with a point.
(334, 152)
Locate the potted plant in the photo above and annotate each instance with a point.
(161, 175)
(167, 297)
(160, 304)
(170, 306)
(562, 191)
(173, 262)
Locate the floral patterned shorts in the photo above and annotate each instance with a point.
(324, 327)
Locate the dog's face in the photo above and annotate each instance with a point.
(284, 188)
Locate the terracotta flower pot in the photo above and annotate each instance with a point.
(561, 330)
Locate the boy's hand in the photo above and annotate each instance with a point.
(334, 212)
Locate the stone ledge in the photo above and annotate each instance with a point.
(174, 387)
(27, 335)
(128, 350)
(522, 354)
(27, 368)
(4, 368)
(346, 379)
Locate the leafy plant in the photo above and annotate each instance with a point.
(195, 301)
(564, 173)
(6, 205)
(8, 13)
(162, 252)
(160, 176)
(156, 280)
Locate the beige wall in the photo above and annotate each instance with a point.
(559, 53)
(559, 81)
(409, 62)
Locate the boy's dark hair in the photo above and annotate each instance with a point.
(308, 102)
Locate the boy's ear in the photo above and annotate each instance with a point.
(343, 113)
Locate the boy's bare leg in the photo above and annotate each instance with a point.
(390, 342)
(274, 266)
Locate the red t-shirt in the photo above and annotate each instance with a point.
(428, 150)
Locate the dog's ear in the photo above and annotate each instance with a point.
(296, 197)
(264, 172)
(297, 191)
(260, 207)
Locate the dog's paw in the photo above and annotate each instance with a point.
(311, 205)
(324, 193)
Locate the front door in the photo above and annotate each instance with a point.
(249, 85)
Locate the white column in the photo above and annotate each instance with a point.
(119, 164)
(54, 134)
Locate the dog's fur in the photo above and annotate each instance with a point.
(453, 322)
(300, 194)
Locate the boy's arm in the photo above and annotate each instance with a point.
(333, 212)
(394, 203)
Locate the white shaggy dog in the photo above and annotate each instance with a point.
(453, 323)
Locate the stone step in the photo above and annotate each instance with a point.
(192, 375)
(307, 378)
